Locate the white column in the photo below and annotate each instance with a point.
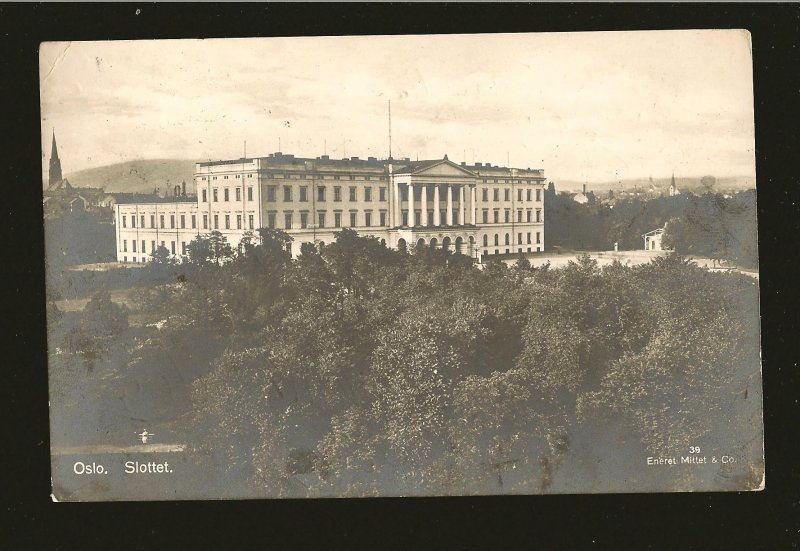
(437, 217)
(396, 212)
(462, 210)
(424, 207)
(410, 206)
(474, 214)
(449, 205)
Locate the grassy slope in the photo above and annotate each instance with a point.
(140, 176)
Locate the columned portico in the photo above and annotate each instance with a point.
(473, 219)
(424, 206)
(462, 216)
(411, 220)
(437, 214)
(449, 205)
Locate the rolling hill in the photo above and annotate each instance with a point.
(140, 176)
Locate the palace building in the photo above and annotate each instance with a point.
(476, 210)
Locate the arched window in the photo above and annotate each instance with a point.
(485, 240)
(496, 240)
(508, 240)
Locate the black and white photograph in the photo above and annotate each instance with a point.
(407, 265)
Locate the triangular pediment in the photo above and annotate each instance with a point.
(443, 168)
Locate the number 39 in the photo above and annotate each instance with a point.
(694, 449)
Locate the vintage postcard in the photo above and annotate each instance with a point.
(402, 265)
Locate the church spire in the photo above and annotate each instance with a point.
(55, 175)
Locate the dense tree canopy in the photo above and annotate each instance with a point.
(361, 370)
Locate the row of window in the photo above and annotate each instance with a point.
(226, 194)
(526, 193)
(497, 251)
(508, 239)
(161, 221)
(204, 178)
(322, 220)
(143, 248)
(227, 222)
(303, 195)
(529, 216)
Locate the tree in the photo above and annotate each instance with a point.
(209, 249)
(161, 256)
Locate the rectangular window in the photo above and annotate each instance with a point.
(485, 195)
(382, 194)
(133, 221)
(496, 194)
(141, 223)
(205, 221)
(368, 219)
(287, 193)
(538, 215)
(519, 215)
(529, 238)
(337, 219)
(405, 218)
(287, 219)
(125, 245)
(227, 222)
(538, 194)
(194, 221)
(506, 194)
(506, 216)
(321, 193)
(270, 220)
(383, 218)
(250, 192)
(226, 194)
(538, 238)
(173, 247)
(205, 196)
(528, 195)
(250, 221)
(528, 215)
(183, 248)
(485, 216)
(367, 194)
(352, 193)
(152, 220)
(455, 218)
(216, 221)
(303, 220)
(238, 194)
(172, 221)
(303, 194)
(321, 217)
(183, 221)
(519, 239)
(238, 221)
(337, 193)
(352, 219)
(215, 195)
(152, 246)
(271, 192)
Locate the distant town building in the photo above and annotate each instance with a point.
(673, 189)
(60, 197)
(476, 209)
(652, 240)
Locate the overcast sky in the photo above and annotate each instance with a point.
(583, 106)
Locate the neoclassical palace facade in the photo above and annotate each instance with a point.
(476, 210)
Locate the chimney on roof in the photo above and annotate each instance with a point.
(353, 158)
(325, 157)
(488, 164)
(478, 164)
(463, 163)
(372, 158)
